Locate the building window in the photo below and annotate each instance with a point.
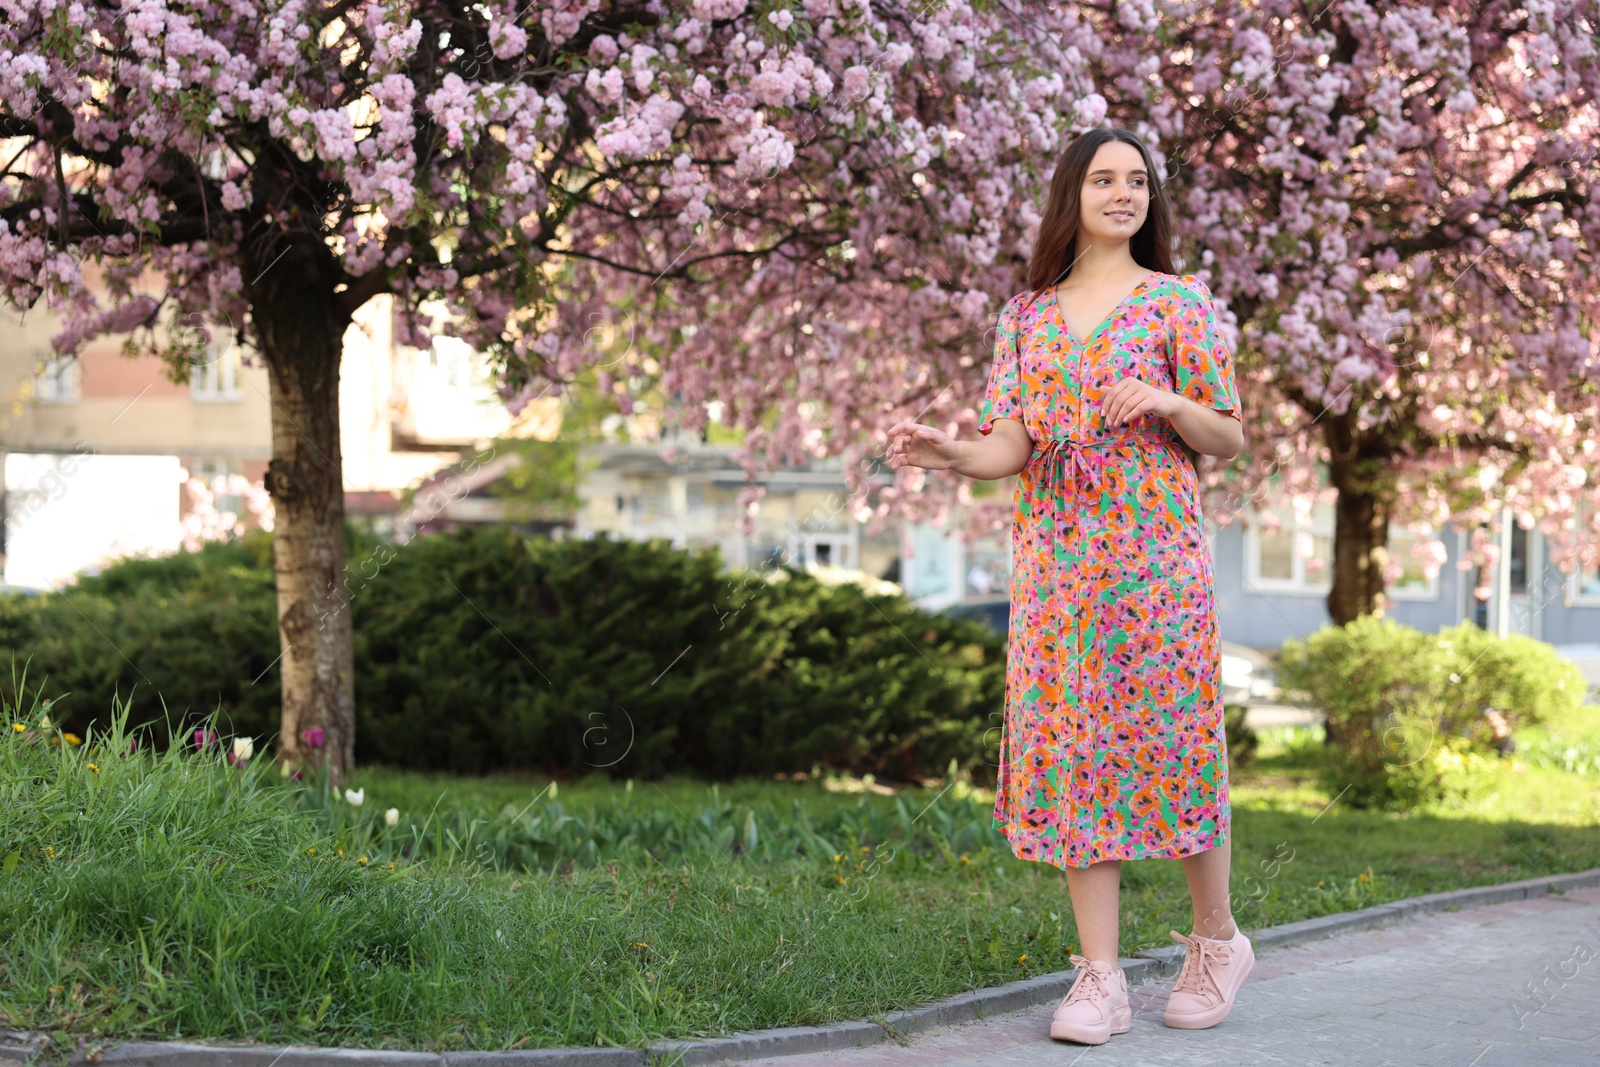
(1272, 564)
(58, 381)
(1586, 585)
(214, 376)
(826, 549)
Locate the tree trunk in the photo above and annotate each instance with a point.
(300, 330)
(1360, 544)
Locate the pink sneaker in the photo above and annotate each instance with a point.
(1095, 1007)
(1212, 973)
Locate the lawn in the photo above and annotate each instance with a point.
(176, 896)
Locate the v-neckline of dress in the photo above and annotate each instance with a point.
(1062, 318)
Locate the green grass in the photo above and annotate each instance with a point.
(175, 896)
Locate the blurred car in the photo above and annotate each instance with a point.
(993, 610)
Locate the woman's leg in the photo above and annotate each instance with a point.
(1096, 895)
(1207, 873)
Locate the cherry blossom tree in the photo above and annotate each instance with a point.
(1396, 207)
(809, 209)
(1393, 206)
(808, 213)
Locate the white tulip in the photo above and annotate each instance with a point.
(243, 749)
(391, 817)
(356, 796)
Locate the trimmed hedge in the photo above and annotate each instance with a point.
(481, 650)
(1405, 709)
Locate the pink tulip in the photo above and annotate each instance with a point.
(313, 737)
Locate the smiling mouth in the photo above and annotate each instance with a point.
(1120, 214)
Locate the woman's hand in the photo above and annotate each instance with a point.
(1130, 398)
(915, 445)
(1209, 431)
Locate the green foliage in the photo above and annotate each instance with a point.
(568, 655)
(203, 624)
(1405, 708)
(1566, 740)
(1241, 739)
(481, 650)
(546, 479)
(169, 894)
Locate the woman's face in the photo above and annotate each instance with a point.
(1115, 196)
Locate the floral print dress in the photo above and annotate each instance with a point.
(1113, 745)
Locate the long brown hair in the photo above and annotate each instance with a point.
(1057, 247)
(1056, 250)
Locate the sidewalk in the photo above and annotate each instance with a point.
(1500, 985)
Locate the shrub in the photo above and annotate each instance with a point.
(1405, 708)
(481, 650)
(1241, 739)
(195, 631)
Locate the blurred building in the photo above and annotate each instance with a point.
(96, 448)
(692, 499)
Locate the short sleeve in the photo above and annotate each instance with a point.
(1003, 397)
(1202, 365)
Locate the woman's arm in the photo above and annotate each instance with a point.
(1210, 431)
(999, 454)
(1207, 430)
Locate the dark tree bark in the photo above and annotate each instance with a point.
(1357, 459)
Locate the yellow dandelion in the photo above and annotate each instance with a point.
(362, 861)
(312, 851)
(840, 879)
(19, 727)
(94, 767)
(964, 858)
(837, 856)
(388, 866)
(341, 851)
(57, 988)
(49, 852)
(640, 944)
(866, 848)
(72, 739)
(1022, 958)
(1364, 877)
(1321, 884)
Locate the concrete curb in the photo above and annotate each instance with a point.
(19, 1048)
(1171, 959)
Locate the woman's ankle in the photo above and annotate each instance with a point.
(1216, 929)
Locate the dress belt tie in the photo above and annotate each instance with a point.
(1071, 479)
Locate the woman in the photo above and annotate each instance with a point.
(1109, 376)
